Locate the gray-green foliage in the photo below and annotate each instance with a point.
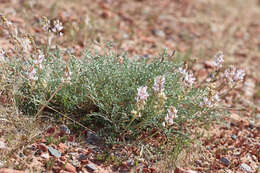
(105, 87)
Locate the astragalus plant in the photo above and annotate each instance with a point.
(127, 95)
(118, 96)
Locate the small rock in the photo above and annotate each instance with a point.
(257, 124)
(158, 33)
(245, 167)
(180, 170)
(209, 64)
(237, 120)
(75, 163)
(130, 162)
(257, 117)
(62, 148)
(70, 168)
(65, 129)
(234, 137)
(62, 158)
(190, 171)
(82, 157)
(198, 162)
(91, 167)
(92, 138)
(251, 124)
(225, 161)
(125, 36)
(5, 170)
(54, 152)
(43, 147)
(21, 155)
(45, 155)
(2, 145)
(2, 164)
(51, 130)
(38, 152)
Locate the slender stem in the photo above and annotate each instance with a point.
(70, 119)
(48, 101)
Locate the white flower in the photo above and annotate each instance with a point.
(26, 45)
(142, 94)
(182, 71)
(218, 59)
(159, 84)
(57, 27)
(216, 98)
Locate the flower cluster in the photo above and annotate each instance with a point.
(159, 93)
(55, 27)
(189, 79)
(142, 96)
(25, 44)
(39, 59)
(218, 60)
(172, 113)
(67, 76)
(159, 84)
(32, 74)
(210, 102)
(234, 75)
(2, 54)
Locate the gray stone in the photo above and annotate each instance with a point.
(251, 124)
(245, 167)
(82, 157)
(65, 129)
(54, 152)
(93, 139)
(2, 145)
(234, 137)
(130, 162)
(198, 162)
(158, 33)
(225, 161)
(91, 167)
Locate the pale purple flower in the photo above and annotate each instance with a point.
(39, 59)
(189, 79)
(67, 76)
(159, 84)
(172, 113)
(142, 94)
(234, 75)
(218, 59)
(32, 74)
